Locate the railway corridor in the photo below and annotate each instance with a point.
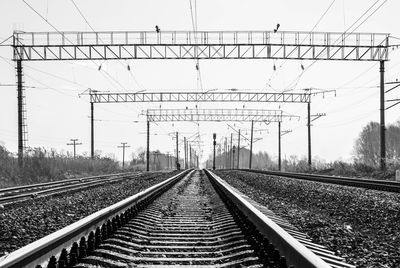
(188, 225)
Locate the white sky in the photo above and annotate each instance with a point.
(56, 115)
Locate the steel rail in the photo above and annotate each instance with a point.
(296, 254)
(65, 187)
(45, 184)
(387, 186)
(42, 250)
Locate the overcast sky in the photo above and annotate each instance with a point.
(56, 113)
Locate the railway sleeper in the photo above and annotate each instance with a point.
(147, 240)
(192, 224)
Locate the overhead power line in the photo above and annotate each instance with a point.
(313, 28)
(297, 79)
(83, 16)
(66, 38)
(93, 30)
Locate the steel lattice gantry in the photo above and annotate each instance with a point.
(213, 115)
(109, 45)
(200, 45)
(96, 97)
(216, 115)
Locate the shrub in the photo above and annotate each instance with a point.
(41, 165)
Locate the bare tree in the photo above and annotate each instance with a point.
(367, 148)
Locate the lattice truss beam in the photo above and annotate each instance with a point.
(200, 45)
(97, 97)
(216, 115)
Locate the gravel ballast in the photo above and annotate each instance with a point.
(361, 225)
(23, 223)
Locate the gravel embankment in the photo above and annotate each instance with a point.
(23, 223)
(361, 225)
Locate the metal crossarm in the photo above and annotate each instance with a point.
(200, 45)
(96, 97)
(216, 115)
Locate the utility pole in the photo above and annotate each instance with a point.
(251, 144)
(148, 147)
(74, 143)
(238, 150)
(309, 133)
(219, 155)
(185, 152)
(20, 91)
(315, 117)
(226, 153)
(280, 134)
(190, 156)
(230, 154)
(177, 152)
(167, 161)
(382, 111)
(123, 146)
(92, 130)
(233, 156)
(214, 143)
(279, 146)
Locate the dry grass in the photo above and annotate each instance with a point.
(41, 165)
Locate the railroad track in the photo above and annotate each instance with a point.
(388, 186)
(26, 192)
(192, 219)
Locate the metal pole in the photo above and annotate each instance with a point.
(238, 150)
(251, 144)
(123, 157)
(92, 130)
(177, 152)
(74, 143)
(190, 156)
(309, 132)
(185, 152)
(233, 156)
(279, 146)
(223, 154)
(20, 113)
(123, 146)
(148, 147)
(167, 161)
(219, 156)
(230, 154)
(382, 110)
(226, 153)
(214, 143)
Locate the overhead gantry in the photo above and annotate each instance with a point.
(205, 115)
(200, 45)
(113, 45)
(207, 96)
(214, 115)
